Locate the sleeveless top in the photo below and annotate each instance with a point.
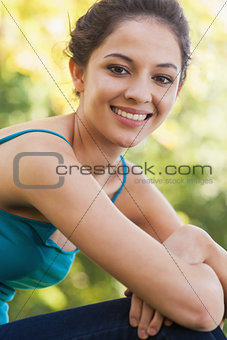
(29, 259)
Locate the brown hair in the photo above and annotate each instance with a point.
(102, 18)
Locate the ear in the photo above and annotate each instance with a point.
(178, 91)
(77, 74)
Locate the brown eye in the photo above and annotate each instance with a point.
(163, 80)
(117, 69)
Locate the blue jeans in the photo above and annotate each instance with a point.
(101, 321)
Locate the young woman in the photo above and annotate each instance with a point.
(128, 63)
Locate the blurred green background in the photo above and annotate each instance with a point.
(194, 133)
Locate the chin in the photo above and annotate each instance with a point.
(130, 143)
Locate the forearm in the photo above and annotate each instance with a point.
(194, 246)
(200, 306)
(217, 260)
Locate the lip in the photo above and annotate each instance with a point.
(132, 111)
(128, 122)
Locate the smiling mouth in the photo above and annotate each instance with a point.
(130, 116)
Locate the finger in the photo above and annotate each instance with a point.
(146, 317)
(168, 322)
(135, 310)
(155, 324)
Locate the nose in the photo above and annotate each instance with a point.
(139, 90)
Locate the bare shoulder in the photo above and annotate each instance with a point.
(30, 142)
(61, 124)
(135, 187)
(144, 204)
(133, 192)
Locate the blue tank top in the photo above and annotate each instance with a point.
(29, 259)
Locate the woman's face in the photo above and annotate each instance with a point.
(135, 72)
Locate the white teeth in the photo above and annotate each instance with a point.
(128, 115)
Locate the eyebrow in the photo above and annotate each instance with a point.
(167, 65)
(122, 56)
(119, 55)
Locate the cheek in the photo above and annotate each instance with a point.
(164, 105)
(106, 87)
(166, 102)
(111, 88)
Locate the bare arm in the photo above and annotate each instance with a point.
(217, 259)
(193, 245)
(86, 215)
(150, 210)
(147, 207)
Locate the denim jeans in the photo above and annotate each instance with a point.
(107, 320)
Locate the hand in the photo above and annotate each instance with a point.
(146, 318)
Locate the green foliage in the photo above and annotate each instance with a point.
(194, 133)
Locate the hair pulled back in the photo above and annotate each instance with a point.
(105, 15)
